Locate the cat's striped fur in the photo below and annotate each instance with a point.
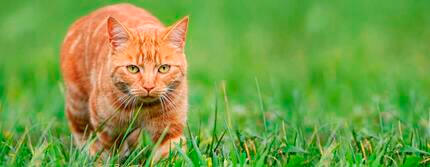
(102, 95)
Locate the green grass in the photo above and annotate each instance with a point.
(280, 82)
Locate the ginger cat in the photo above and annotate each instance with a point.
(120, 63)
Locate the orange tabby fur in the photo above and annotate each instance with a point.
(103, 96)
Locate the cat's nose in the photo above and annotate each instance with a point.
(148, 88)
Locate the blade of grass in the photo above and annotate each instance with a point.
(260, 99)
(228, 121)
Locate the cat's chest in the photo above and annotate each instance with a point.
(123, 119)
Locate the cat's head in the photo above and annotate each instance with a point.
(147, 63)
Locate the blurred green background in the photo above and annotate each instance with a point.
(361, 64)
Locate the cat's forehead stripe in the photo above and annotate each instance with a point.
(148, 46)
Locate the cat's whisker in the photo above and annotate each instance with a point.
(128, 101)
(164, 111)
(119, 101)
(171, 101)
(135, 100)
(127, 97)
(175, 95)
(122, 102)
(162, 103)
(165, 103)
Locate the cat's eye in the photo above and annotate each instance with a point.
(164, 68)
(133, 69)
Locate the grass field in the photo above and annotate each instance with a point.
(280, 82)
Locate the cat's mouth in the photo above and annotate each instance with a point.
(147, 99)
(144, 97)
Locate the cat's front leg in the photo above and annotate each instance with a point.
(100, 119)
(107, 144)
(105, 141)
(101, 144)
(169, 145)
(168, 137)
(130, 142)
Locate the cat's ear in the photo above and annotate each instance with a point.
(177, 33)
(117, 33)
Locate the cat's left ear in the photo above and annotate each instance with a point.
(177, 33)
(118, 34)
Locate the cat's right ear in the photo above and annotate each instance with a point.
(118, 35)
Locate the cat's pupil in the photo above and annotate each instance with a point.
(133, 69)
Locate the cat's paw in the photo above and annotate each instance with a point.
(164, 150)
